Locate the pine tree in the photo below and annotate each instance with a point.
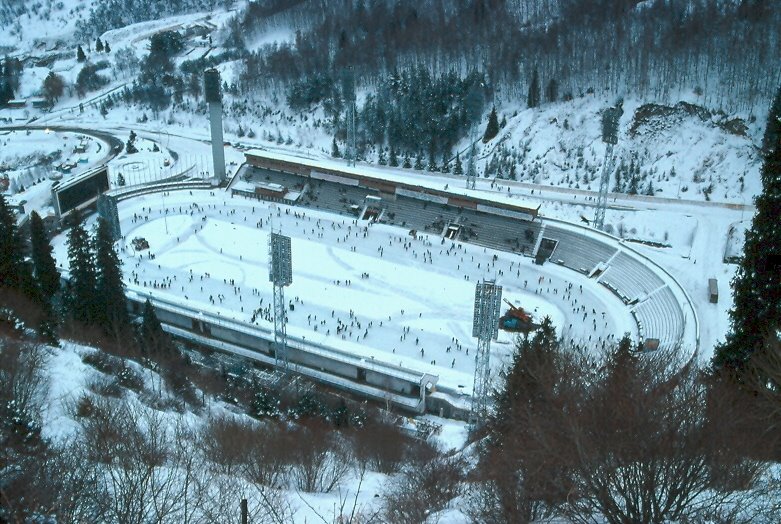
(459, 168)
(393, 161)
(130, 146)
(419, 161)
(522, 388)
(633, 183)
(11, 254)
(45, 270)
(492, 129)
(154, 341)
(756, 313)
(381, 157)
(533, 99)
(80, 56)
(445, 163)
(112, 305)
(432, 163)
(335, 149)
(407, 164)
(81, 297)
(471, 165)
(106, 48)
(552, 90)
(98, 45)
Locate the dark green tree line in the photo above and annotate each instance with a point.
(756, 313)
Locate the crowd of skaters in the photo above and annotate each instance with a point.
(402, 333)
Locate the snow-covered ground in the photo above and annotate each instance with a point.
(70, 379)
(36, 159)
(691, 231)
(678, 150)
(558, 152)
(369, 289)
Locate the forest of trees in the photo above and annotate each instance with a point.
(723, 50)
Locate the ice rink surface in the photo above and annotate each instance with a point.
(370, 289)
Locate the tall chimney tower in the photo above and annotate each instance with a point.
(211, 88)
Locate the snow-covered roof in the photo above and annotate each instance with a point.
(401, 180)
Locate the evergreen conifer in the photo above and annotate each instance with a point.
(11, 254)
(112, 306)
(154, 341)
(419, 161)
(458, 169)
(492, 129)
(80, 56)
(432, 163)
(81, 297)
(471, 166)
(98, 45)
(45, 278)
(45, 270)
(552, 90)
(756, 313)
(393, 161)
(335, 149)
(533, 99)
(445, 163)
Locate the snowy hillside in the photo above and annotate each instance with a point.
(40, 25)
(685, 151)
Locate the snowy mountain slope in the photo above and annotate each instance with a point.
(39, 25)
(680, 150)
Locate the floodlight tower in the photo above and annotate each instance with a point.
(280, 273)
(211, 89)
(610, 118)
(485, 326)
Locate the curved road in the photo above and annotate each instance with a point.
(115, 144)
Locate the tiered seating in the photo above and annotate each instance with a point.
(579, 252)
(660, 317)
(497, 232)
(332, 197)
(277, 177)
(506, 234)
(629, 278)
(411, 213)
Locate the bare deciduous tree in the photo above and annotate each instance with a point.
(423, 489)
(628, 437)
(319, 457)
